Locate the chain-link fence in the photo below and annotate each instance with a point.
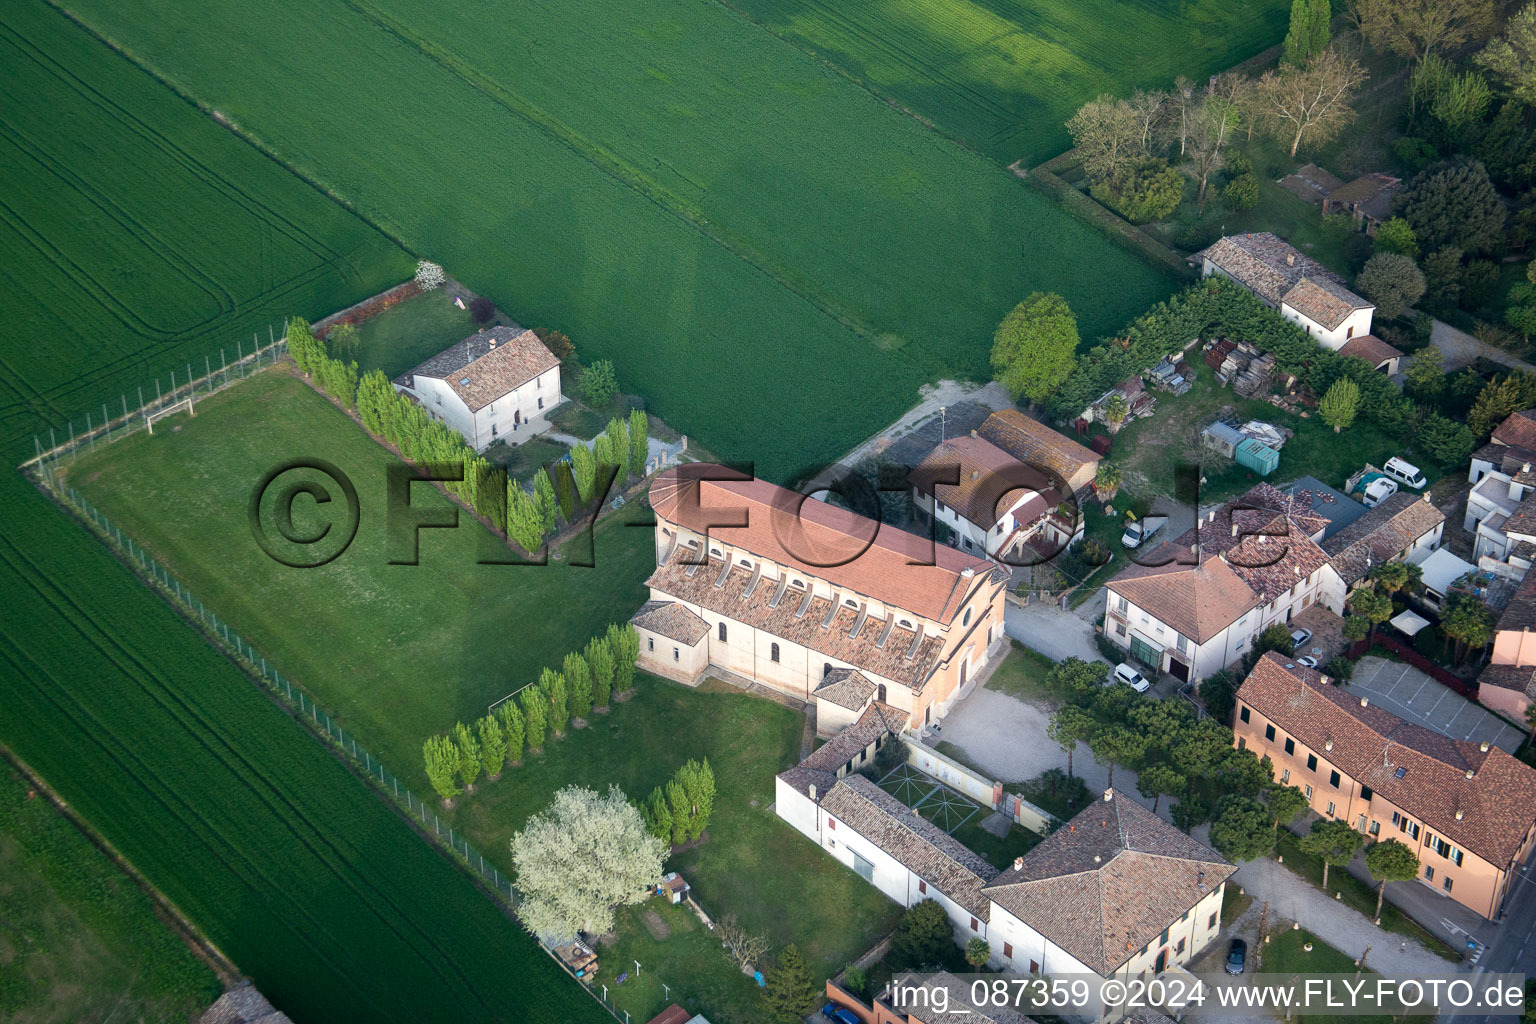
(149, 401)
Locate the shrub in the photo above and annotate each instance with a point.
(1396, 236)
(1241, 193)
(1479, 284)
(599, 383)
(1147, 190)
(429, 275)
(482, 310)
(1341, 669)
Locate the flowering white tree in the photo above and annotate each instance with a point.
(580, 858)
(429, 275)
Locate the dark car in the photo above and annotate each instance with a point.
(1237, 956)
(838, 1014)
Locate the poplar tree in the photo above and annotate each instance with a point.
(618, 438)
(698, 782)
(624, 642)
(600, 661)
(512, 730)
(639, 449)
(469, 756)
(658, 818)
(558, 696)
(584, 470)
(544, 496)
(442, 761)
(677, 803)
(578, 683)
(525, 521)
(535, 717)
(493, 746)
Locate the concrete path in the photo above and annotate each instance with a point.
(941, 393)
(1460, 348)
(1294, 899)
(1051, 631)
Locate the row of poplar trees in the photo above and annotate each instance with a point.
(679, 812)
(584, 682)
(526, 516)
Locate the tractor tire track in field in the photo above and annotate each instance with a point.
(325, 850)
(239, 196)
(614, 167)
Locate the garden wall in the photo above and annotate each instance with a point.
(984, 791)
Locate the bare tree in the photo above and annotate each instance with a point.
(1212, 122)
(1105, 134)
(743, 948)
(1151, 110)
(1310, 102)
(1418, 28)
(1183, 101)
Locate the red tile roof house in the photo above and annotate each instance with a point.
(1195, 604)
(1116, 891)
(1302, 289)
(1466, 809)
(1035, 444)
(757, 582)
(996, 505)
(497, 385)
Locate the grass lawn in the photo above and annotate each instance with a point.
(752, 865)
(78, 939)
(524, 459)
(999, 851)
(1287, 954)
(1022, 674)
(1359, 895)
(1233, 904)
(408, 333)
(674, 950)
(396, 652)
(1150, 450)
(578, 418)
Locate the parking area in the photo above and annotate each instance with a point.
(1413, 695)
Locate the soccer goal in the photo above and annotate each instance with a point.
(169, 410)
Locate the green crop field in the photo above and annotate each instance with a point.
(136, 230)
(667, 183)
(79, 940)
(1005, 75)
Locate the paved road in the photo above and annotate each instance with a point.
(1294, 899)
(1511, 944)
(1460, 348)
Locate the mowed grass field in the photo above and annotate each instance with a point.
(672, 186)
(400, 652)
(79, 941)
(395, 652)
(1005, 75)
(139, 234)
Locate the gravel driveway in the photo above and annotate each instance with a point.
(1054, 633)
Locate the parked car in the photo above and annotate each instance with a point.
(1300, 637)
(1307, 662)
(1141, 529)
(1378, 491)
(838, 1014)
(1237, 956)
(1404, 472)
(1124, 673)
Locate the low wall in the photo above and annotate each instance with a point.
(987, 792)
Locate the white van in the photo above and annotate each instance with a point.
(1378, 491)
(1124, 673)
(1404, 472)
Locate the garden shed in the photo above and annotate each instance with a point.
(1260, 458)
(1223, 438)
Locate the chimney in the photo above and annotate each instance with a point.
(1328, 745)
(811, 789)
(1097, 859)
(1018, 863)
(975, 473)
(1459, 813)
(493, 343)
(1470, 773)
(1290, 259)
(1365, 702)
(1109, 795)
(1234, 527)
(973, 433)
(1483, 746)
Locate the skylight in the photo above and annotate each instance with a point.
(1401, 772)
(464, 381)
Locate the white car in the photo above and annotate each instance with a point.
(1124, 673)
(1378, 491)
(1300, 637)
(1307, 662)
(1405, 473)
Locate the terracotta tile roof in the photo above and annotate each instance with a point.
(886, 652)
(1382, 534)
(845, 687)
(673, 1014)
(1370, 348)
(1518, 429)
(1520, 613)
(1497, 804)
(780, 525)
(1364, 188)
(987, 476)
(823, 765)
(1035, 444)
(1199, 602)
(1312, 183)
(485, 366)
(1324, 300)
(915, 842)
(1109, 881)
(1519, 678)
(672, 621)
(1267, 265)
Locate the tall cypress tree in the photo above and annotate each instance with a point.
(512, 727)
